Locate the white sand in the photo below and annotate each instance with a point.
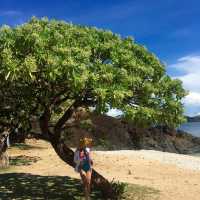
(180, 160)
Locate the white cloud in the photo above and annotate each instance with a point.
(191, 81)
(10, 13)
(192, 99)
(189, 66)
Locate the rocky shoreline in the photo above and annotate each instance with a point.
(111, 133)
(169, 140)
(115, 134)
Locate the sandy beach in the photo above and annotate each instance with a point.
(175, 176)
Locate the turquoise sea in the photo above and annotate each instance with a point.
(191, 127)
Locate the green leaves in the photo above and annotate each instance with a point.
(45, 62)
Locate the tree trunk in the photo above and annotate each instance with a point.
(4, 160)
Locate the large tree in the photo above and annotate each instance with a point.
(50, 68)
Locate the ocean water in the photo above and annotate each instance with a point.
(191, 127)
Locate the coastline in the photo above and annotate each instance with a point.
(191, 127)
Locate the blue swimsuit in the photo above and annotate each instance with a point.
(86, 162)
(86, 165)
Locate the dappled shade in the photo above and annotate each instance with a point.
(27, 186)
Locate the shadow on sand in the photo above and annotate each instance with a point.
(23, 146)
(23, 186)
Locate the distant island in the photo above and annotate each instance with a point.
(193, 119)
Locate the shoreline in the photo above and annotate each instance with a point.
(190, 128)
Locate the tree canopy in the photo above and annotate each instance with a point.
(52, 64)
(50, 68)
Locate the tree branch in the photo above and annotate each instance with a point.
(44, 122)
(68, 113)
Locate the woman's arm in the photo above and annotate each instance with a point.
(90, 157)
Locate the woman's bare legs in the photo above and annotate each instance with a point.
(86, 178)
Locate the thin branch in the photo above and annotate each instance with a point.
(44, 122)
(68, 113)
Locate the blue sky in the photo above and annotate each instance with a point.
(169, 28)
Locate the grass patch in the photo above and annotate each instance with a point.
(18, 161)
(138, 192)
(23, 160)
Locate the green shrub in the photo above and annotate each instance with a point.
(86, 124)
(105, 144)
(119, 189)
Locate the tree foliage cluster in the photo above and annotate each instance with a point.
(51, 65)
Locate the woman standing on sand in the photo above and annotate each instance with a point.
(83, 160)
